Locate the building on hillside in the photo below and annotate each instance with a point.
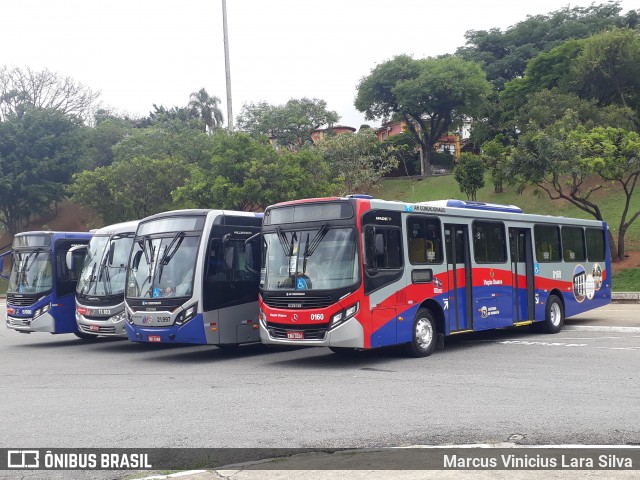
(450, 143)
(320, 133)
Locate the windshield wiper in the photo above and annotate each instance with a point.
(170, 251)
(310, 247)
(103, 273)
(26, 266)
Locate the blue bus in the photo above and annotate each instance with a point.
(192, 279)
(41, 290)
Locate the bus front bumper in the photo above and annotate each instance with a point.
(190, 332)
(43, 323)
(350, 334)
(111, 327)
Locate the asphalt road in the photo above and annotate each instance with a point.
(576, 387)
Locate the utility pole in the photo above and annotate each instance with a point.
(227, 67)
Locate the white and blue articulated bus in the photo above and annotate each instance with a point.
(41, 291)
(100, 289)
(193, 278)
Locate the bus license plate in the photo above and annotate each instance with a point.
(154, 338)
(294, 335)
(94, 328)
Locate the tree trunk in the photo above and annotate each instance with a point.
(621, 235)
(613, 249)
(427, 162)
(422, 162)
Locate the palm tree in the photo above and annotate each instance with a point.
(207, 107)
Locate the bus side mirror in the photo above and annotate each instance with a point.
(2, 263)
(70, 259)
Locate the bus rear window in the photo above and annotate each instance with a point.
(595, 244)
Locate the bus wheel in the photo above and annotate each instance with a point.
(424, 337)
(554, 315)
(87, 337)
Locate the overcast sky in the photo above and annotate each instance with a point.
(141, 52)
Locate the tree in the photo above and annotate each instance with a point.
(496, 156)
(469, 173)
(192, 146)
(248, 174)
(562, 160)
(288, 126)
(21, 89)
(431, 95)
(504, 55)
(608, 70)
(39, 151)
(129, 190)
(358, 159)
(207, 108)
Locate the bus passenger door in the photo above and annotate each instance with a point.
(522, 271)
(459, 277)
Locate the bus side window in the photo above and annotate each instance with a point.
(425, 240)
(547, 240)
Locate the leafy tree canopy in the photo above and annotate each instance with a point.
(358, 159)
(39, 151)
(504, 54)
(289, 125)
(244, 173)
(129, 190)
(469, 173)
(431, 95)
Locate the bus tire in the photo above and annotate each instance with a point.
(424, 337)
(553, 316)
(87, 337)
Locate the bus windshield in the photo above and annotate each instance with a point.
(316, 259)
(104, 273)
(31, 272)
(163, 266)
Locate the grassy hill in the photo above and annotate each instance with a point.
(626, 274)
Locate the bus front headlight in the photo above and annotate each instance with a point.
(187, 314)
(119, 317)
(344, 315)
(42, 310)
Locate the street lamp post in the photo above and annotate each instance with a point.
(226, 65)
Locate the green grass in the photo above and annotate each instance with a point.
(627, 280)
(611, 201)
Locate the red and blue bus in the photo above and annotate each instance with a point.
(362, 273)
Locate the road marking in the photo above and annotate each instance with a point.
(595, 328)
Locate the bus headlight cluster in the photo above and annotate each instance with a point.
(42, 310)
(262, 317)
(344, 315)
(118, 317)
(187, 314)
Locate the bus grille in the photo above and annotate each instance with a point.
(19, 322)
(311, 332)
(299, 302)
(101, 329)
(20, 301)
